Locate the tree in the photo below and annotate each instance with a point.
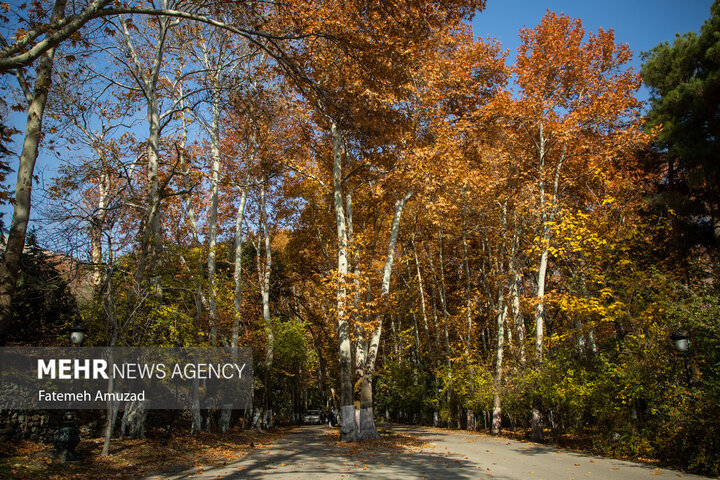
(575, 116)
(685, 103)
(36, 99)
(42, 302)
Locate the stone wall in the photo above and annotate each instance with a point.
(40, 425)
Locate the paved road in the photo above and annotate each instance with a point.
(314, 453)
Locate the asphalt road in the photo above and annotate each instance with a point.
(313, 452)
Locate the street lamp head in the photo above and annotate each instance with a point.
(77, 334)
(682, 341)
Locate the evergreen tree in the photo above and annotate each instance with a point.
(684, 81)
(42, 303)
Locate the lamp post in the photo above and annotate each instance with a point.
(682, 344)
(77, 335)
(67, 437)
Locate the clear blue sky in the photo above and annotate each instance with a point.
(641, 24)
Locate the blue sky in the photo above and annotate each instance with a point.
(641, 24)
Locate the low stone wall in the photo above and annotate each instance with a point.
(40, 425)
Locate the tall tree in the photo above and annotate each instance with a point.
(684, 83)
(576, 114)
(36, 100)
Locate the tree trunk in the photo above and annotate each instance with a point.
(196, 425)
(10, 263)
(394, 337)
(136, 416)
(97, 223)
(212, 220)
(537, 429)
(542, 268)
(237, 273)
(151, 229)
(518, 320)
(264, 282)
(147, 79)
(366, 423)
(366, 429)
(421, 290)
(446, 320)
(265, 276)
(348, 431)
(471, 425)
(112, 406)
(536, 432)
(497, 384)
(226, 415)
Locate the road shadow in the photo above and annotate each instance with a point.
(316, 452)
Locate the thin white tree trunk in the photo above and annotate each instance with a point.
(212, 220)
(148, 81)
(421, 290)
(112, 406)
(237, 274)
(97, 222)
(237, 299)
(517, 318)
(265, 275)
(470, 414)
(263, 271)
(366, 423)
(446, 319)
(497, 384)
(537, 427)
